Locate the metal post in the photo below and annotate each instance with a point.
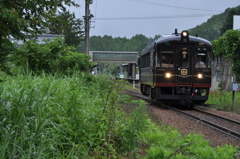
(87, 28)
(233, 94)
(234, 88)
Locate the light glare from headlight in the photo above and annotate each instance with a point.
(168, 75)
(200, 75)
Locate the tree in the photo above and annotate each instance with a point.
(137, 43)
(24, 19)
(228, 46)
(228, 24)
(109, 43)
(53, 56)
(67, 25)
(216, 25)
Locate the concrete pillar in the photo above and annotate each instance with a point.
(133, 70)
(129, 71)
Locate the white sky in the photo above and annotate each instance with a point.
(126, 18)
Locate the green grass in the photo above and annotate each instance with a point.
(81, 117)
(166, 142)
(223, 101)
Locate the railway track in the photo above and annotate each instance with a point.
(220, 123)
(221, 117)
(234, 131)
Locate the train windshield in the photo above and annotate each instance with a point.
(166, 56)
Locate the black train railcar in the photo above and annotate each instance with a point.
(176, 69)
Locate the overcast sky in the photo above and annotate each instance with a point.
(126, 18)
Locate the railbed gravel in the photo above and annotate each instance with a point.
(186, 125)
(227, 124)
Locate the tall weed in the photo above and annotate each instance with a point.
(48, 116)
(130, 133)
(54, 116)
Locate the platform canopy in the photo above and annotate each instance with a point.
(113, 56)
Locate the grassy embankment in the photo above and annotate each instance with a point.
(223, 101)
(81, 117)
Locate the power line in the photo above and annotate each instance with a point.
(172, 6)
(155, 17)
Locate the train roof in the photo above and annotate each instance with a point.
(178, 38)
(174, 37)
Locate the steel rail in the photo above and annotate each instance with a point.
(213, 125)
(221, 117)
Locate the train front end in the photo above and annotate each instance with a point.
(183, 70)
(176, 69)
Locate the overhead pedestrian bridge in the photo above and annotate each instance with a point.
(113, 56)
(117, 57)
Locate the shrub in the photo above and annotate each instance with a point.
(51, 57)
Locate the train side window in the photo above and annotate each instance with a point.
(146, 60)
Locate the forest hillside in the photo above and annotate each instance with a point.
(215, 26)
(212, 29)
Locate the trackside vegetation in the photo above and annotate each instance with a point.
(222, 100)
(81, 116)
(228, 46)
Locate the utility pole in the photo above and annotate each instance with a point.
(87, 18)
(87, 28)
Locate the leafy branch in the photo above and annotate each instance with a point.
(229, 46)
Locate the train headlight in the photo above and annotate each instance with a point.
(168, 75)
(200, 76)
(185, 36)
(184, 33)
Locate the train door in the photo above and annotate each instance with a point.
(184, 63)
